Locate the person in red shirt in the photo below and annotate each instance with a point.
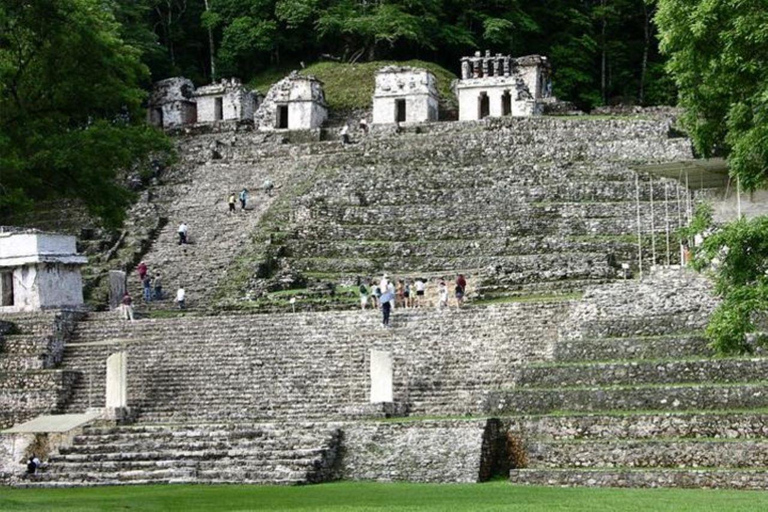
(461, 288)
(142, 270)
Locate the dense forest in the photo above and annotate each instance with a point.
(603, 51)
(74, 74)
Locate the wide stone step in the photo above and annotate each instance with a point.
(728, 424)
(663, 397)
(618, 477)
(700, 453)
(644, 372)
(648, 347)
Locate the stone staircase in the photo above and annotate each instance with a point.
(216, 453)
(533, 206)
(307, 365)
(29, 350)
(634, 397)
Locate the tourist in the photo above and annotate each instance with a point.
(375, 294)
(181, 297)
(32, 465)
(142, 270)
(232, 201)
(268, 187)
(363, 296)
(420, 287)
(345, 134)
(243, 198)
(400, 294)
(461, 287)
(364, 126)
(387, 299)
(384, 284)
(182, 231)
(442, 292)
(407, 295)
(391, 292)
(157, 284)
(146, 285)
(126, 307)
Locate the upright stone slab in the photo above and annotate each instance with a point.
(117, 389)
(381, 376)
(116, 288)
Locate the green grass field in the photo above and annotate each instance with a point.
(495, 496)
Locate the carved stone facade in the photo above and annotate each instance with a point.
(404, 95)
(296, 102)
(172, 103)
(499, 85)
(225, 101)
(39, 271)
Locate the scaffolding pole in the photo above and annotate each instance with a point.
(738, 197)
(681, 251)
(639, 231)
(666, 217)
(653, 226)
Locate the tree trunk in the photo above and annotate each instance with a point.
(211, 50)
(646, 48)
(603, 78)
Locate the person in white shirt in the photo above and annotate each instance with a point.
(420, 287)
(182, 233)
(345, 134)
(443, 294)
(180, 297)
(391, 289)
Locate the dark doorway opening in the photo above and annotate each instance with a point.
(6, 288)
(400, 111)
(506, 103)
(282, 116)
(218, 109)
(485, 106)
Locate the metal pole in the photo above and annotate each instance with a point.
(688, 213)
(653, 226)
(738, 197)
(666, 216)
(639, 231)
(679, 222)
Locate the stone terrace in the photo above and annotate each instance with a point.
(542, 205)
(307, 365)
(634, 397)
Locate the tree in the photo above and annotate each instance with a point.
(70, 106)
(738, 255)
(718, 57)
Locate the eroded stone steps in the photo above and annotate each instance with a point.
(669, 397)
(754, 478)
(656, 453)
(639, 372)
(672, 346)
(643, 425)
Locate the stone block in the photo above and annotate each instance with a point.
(381, 376)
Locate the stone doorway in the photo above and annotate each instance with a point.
(484, 106)
(218, 109)
(400, 111)
(506, 103)
(6, 289)
(282, 116)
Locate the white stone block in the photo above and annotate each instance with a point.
(117, 389)
(381, 376)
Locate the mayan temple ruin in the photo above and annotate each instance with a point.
(578, 357)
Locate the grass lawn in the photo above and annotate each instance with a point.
(349, 496)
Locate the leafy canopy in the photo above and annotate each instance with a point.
(70, 106)
(718, 57)
(738, 254)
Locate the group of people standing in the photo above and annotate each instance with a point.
(387, 295)
(152, 290)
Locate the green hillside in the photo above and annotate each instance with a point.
(350, 86)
